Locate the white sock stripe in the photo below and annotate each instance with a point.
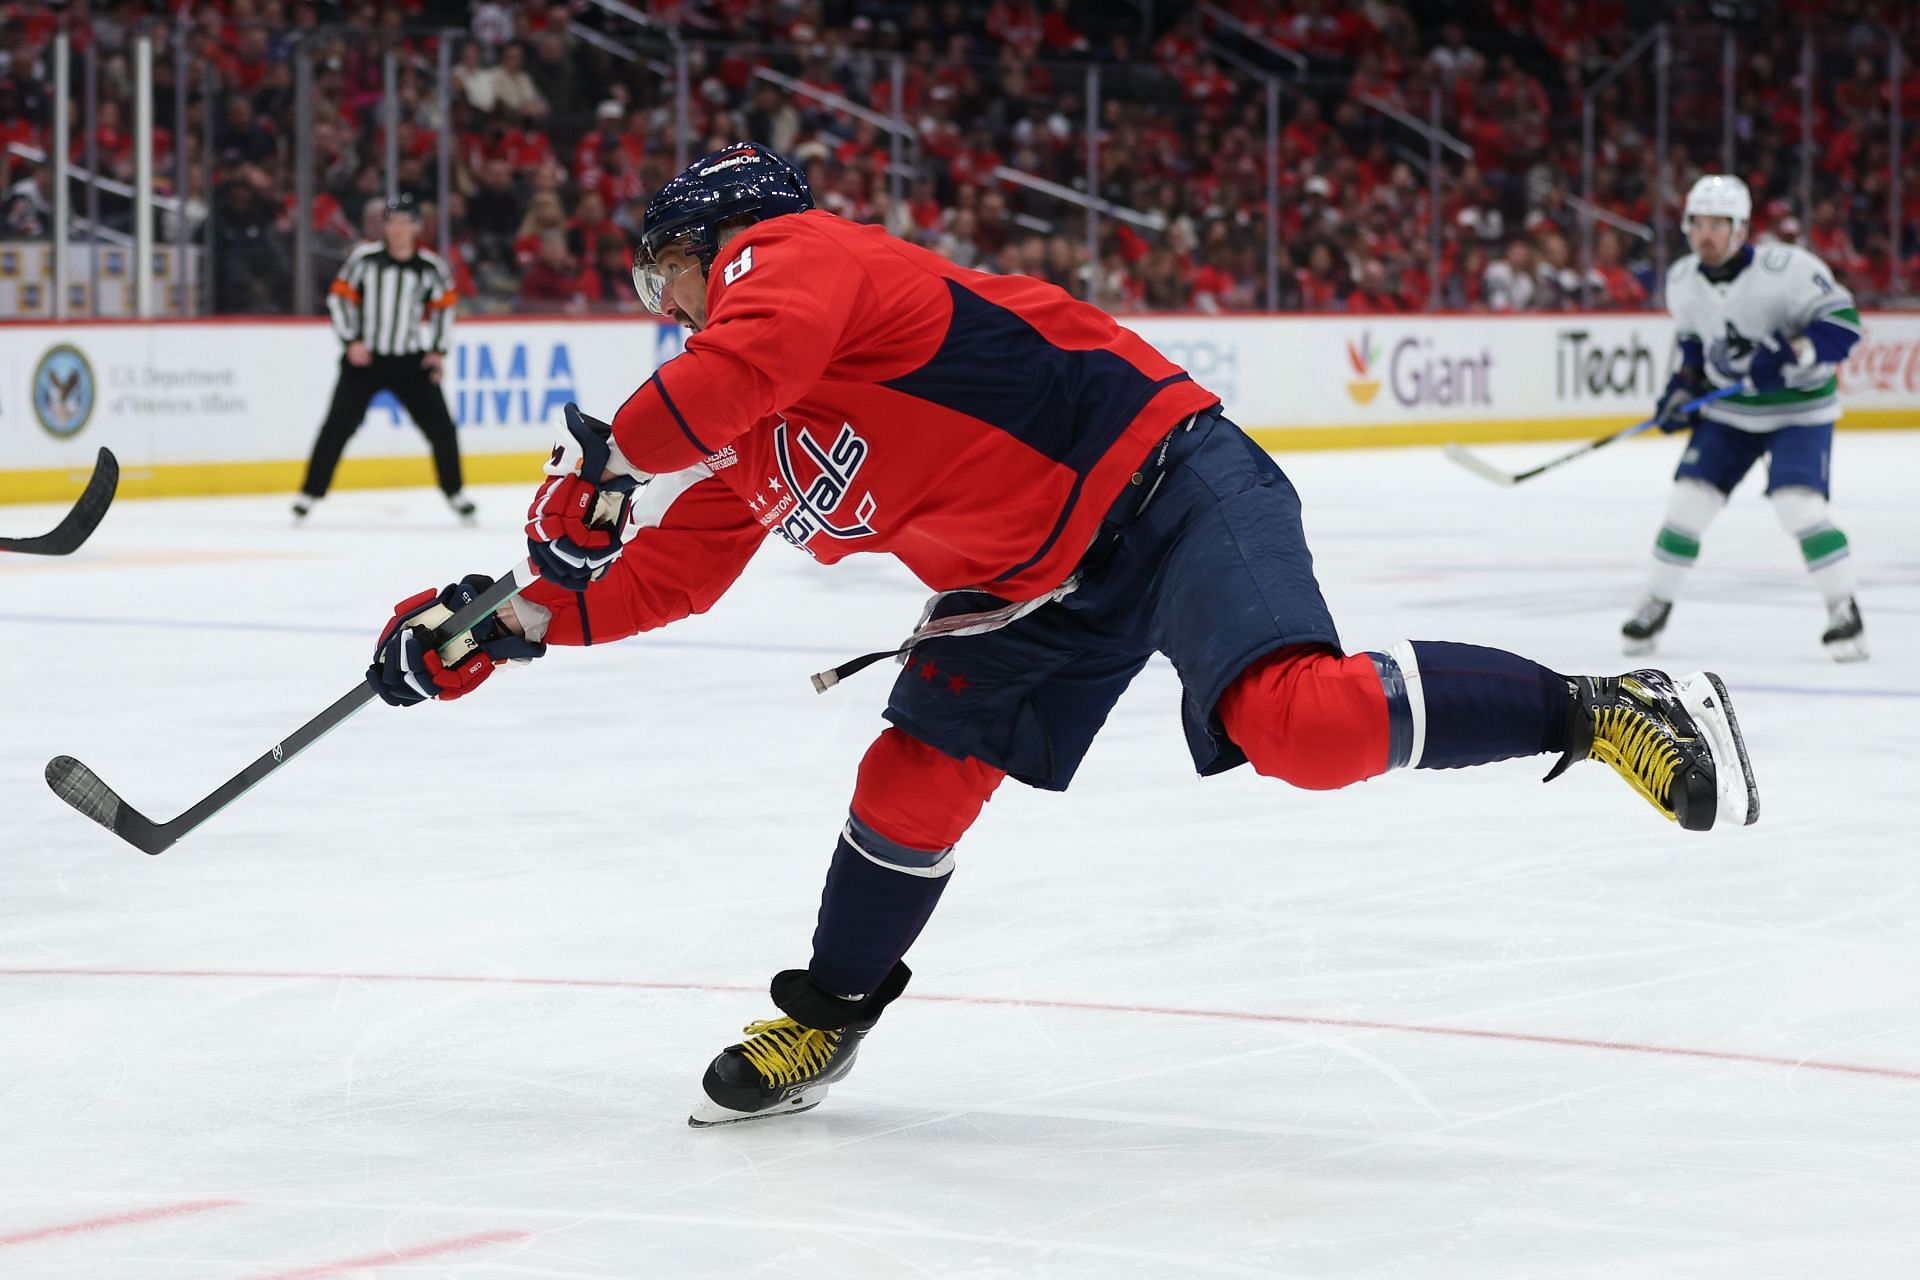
(934, 872)
(1402, 654)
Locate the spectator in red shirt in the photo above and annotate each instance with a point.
(545, 216)
(1620, 288)
(1320, 279)
(1016, 23)
(1371, 295)
(1830, 238)
(589, 226)
(556, 279)
(613, 265)
(1306, 133)
(1057, 30)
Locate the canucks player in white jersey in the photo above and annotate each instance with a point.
(1774, 318)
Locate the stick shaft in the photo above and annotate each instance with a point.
(343, 708)
(76, 784)
(1488, 470)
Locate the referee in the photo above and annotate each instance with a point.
(392, 305)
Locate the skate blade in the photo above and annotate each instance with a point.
(1638, 648)
(708, 1114)
(1853, 650)
(1712, 710)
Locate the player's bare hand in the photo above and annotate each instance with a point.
(357, 354)
(433, 363)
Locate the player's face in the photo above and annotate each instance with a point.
(675, 285)
(1714, 239)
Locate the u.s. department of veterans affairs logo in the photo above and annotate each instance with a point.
(63, 391)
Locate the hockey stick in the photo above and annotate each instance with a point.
(1486, 470)
(82, 788)
(82, 520)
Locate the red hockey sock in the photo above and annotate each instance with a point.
(1310, 717)
(917, 796)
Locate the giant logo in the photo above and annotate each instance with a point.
(63, 391)
(1363, 386)
(1419, 373)
(814, 483)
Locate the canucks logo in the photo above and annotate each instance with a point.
(1363, 387)
(63, 390)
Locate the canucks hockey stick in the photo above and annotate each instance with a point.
(1486, 470)
(81, 521)
(82, 788)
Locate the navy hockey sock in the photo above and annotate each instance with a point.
(1466, 705)
(878, 897)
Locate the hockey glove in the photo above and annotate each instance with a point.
(407, 667)
(578, 522)
(1767, 370)
(1687, 383)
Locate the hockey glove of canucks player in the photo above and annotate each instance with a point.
(1767, 370)
(1687, 383)
(580, 517)
(407, 667)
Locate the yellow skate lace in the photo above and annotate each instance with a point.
(1640, 752)
(784, 1052)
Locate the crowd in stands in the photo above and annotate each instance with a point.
(563, 121)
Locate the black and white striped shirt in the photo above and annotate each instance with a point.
(396, 308)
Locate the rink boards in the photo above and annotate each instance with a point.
(232, 407)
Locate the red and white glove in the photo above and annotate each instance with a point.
(582, 513)
(407, 668)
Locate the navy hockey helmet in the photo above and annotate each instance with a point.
(743, 182)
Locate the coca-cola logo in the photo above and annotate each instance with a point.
(1882, 366)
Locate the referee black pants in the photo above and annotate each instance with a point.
(418, 394)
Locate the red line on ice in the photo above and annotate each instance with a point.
(133, 1218)
(1014, 1002)
(432, 1249)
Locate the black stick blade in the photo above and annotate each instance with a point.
(82, 520)
(82, 788)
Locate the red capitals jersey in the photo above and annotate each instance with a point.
(853, 392)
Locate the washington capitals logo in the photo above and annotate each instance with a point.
(797, 507)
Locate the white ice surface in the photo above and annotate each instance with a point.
(433, 1001)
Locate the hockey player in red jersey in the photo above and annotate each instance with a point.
(1078, 503)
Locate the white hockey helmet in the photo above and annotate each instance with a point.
(1720, 195)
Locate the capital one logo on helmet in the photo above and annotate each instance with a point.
(745, 157)
(797, 509)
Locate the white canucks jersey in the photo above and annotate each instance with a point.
(1782, 291)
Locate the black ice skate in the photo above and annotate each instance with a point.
(1678, 744)
(1643, 629)
(785, 1066)
(462, 506)
(1846, 636)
